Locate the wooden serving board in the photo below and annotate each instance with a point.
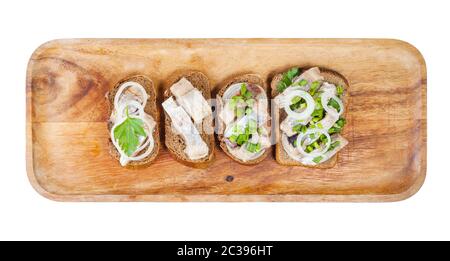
(67, 137)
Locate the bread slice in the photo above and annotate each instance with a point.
(248, 78)
(150, 108)
(279, 115)
(174, 142)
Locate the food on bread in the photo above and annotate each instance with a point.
(188, 125)
(133, 121)
(244, 122)
(309, 112)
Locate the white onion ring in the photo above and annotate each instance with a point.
(125, 85)
(324, 100)
(231, 91)
(313, 131)
(310, 105)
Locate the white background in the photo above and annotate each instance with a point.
(26, 215)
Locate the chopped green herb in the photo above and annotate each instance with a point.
(233, 103)
(334, 130)
(242, 138)
(253, 147)
(333, 103)
(286, 80)
(294, 106)
(319, 125)
(248, 95)
(252, 126)
(316, 145)
(303, 82)
(340, 90)
(333, 145)
(235, 128)
(237, 98)
(261, 130)
(248, 111)
(250, 102)
(317, 159)
(233, 138)
(341, 122)
(323, 138)
(304, 129)
(309, 148)
(296, 99)
(312, 136)
(297, 128)
(240, 112)
(314, 86)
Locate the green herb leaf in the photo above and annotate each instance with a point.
(286, 80)
(127, 134)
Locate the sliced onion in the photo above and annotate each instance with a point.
(310, 104)
(231, 91)
(125, 85)
(317, 133)
(326, 96)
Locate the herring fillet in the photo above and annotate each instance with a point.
(196, 148)
(191, 99)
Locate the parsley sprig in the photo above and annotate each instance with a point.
(128, 132)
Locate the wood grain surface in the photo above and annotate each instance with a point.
(67, 137)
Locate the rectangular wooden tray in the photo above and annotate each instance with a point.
(67, 137)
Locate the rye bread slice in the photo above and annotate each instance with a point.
(150, 108)
(247, 78)
(279, 115)
(174, 142)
